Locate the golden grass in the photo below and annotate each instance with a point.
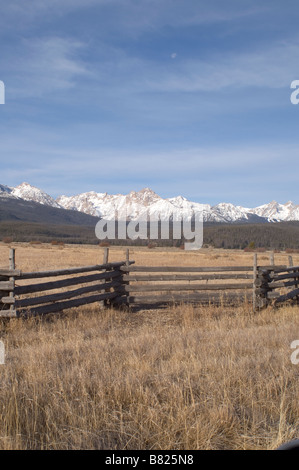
(174, 378)
(183, 378)
(45, 256)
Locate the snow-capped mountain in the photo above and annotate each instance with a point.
(132, 206)
(146, 203)
(105, 205)
(226, 212)
(5, 190)
(275, 212)
(31, 193)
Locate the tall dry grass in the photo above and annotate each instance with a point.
(180, 378)
(174, 378)
(46, 256)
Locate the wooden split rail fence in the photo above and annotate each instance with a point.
(276, 284)
(163, 284)
(99, 283)
(122, 282)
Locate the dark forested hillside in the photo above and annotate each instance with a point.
(25, 221)
(12, 209)
(269, 235)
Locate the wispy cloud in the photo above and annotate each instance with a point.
(130, 17)
(49, 63)
(202, 174)
(273, 67)
(45, 65)
(26, 13)
(185, 96)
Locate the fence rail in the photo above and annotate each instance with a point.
(185, 269)
(161, 284)
(277, 285)
(123, 282)
(99, 283)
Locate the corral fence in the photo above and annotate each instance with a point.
(217, 285)
(100, 283)
(163, 284)
(124, 283)
(277, 284)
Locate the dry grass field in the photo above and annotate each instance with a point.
(181, 377)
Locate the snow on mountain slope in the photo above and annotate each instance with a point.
(181, 205)
(5, 190)
(275, 212)
(86, 202)
(137, 203)
(146, 203)
(31, 193)
(106, 205)
(226, 212)
(141, 204)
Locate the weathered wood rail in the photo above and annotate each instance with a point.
(277, 284)
(153, 284)
(99, 283)
(211, 284)
(123, 282)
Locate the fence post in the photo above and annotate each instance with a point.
(103, 303)
(105, 255)
(128, 282)
(262, 287)
(272, 258)
(12, 267)
(291, 264)
(254, 283)
(122, 292)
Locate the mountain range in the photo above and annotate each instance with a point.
(135, 204)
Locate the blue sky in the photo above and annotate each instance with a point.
(187, 97)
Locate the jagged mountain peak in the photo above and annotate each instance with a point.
(290, 204)
(31, 193)
(145, 194)
(146, 201)
(147, 190)
(25, 184)
(5, 189)
(178, 199)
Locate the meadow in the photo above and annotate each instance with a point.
(179, 377)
